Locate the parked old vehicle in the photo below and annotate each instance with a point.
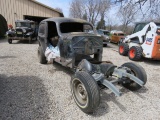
(25, 30)
(116, 36)
(73, 46)
(105, 36)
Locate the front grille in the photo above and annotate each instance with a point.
(19, 32)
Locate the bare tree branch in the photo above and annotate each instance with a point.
(93, 9)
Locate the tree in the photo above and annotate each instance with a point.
(101, 24)
(59, 9)
(92, 10)
(127, 14)
(77, 9)
(147, 7)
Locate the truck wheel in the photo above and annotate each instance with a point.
(105, 45)
(123, 49)
(41, 56)
(137, 71)
(30, 40)
(135, 53)
(85, 91)
(10, 41)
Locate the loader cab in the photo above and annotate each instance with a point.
(139, 27)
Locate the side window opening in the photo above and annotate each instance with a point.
(52, 34)
(32, 25)
(139, 27)
(120, 34)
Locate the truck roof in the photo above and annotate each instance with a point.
(63, 19)
(147, 22)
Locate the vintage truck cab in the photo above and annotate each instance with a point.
(74, 40)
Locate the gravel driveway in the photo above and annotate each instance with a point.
(29, 90)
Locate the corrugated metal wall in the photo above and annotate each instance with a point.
(15, 9)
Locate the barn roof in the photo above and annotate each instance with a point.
(48, 7)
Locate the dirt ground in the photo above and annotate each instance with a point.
(29, 90)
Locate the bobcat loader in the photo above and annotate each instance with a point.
(144, 42)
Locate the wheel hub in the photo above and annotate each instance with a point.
(80, 92)
(121, 49)
(132, 53)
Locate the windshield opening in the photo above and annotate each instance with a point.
(68, 27)
(158, 25)
(22, 24)
(120, 34)
(100, 32)
(106, 33)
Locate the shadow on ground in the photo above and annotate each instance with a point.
(24, 42)
(107, 97)
(4, 40)
(23, 97)
(152, 62)
(4, 57)
(59, 67)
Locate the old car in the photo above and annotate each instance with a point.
(116, 36)
(70, 43)
(25, 30)
(105, 36)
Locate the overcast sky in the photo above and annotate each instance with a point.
(63, 4)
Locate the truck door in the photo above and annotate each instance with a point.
(42, 35)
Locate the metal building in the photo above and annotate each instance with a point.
(13, 10)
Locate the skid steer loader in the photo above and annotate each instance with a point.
(144, 42)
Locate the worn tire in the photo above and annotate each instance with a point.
(107, 69)
(30, 40)
(135, 53)
(90, 99)
(10, 41)
(105, 45)
(123, 49)
(139, 72)
(41, 56)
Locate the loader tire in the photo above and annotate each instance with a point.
(137, 71)
(41, 56)
(123, 49)
(135, 53)
(85, 91)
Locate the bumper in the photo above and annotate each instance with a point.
(19, 38)
(104, 43)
